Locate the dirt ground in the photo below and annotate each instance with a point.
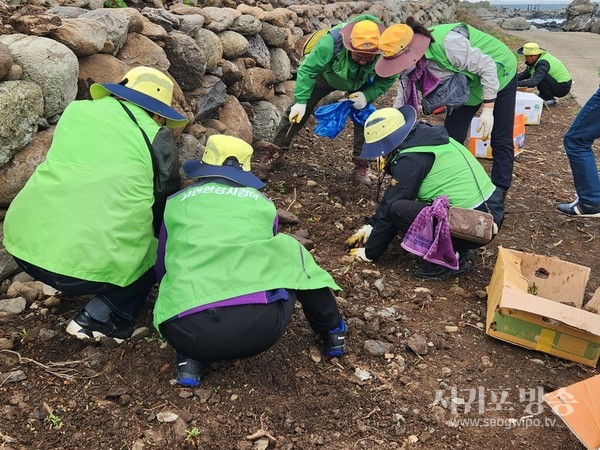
(72, 394)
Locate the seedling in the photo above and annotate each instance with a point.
(281, 186)
(193, 436)
(54, 421)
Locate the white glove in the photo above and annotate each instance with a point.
(359, 239)
(297, 112)
(486, 123)
(359, 99)
(359, 253)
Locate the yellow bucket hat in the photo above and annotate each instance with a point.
(227, 157)
(531, 48)
(146, 87)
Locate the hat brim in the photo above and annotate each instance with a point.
(520, 52)
(387, 67)
(391, 141)
(199, 169)
(173, 118)
(346, 32)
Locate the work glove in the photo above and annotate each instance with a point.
(297, 112)
(359, 99)
(486, 123)
(359, 239)
(359, 254)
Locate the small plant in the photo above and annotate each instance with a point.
(24, 333)
(54, 421)
(115, 4)
(281, 186)
(193, 436)
(532, 289)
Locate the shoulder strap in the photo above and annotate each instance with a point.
(150, 149)
(338, 41)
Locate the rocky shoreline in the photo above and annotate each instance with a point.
(580, 15)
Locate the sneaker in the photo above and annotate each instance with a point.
(360, 174)
(271, 158)
(84, 326)
(334, 341)
(430, 271)
(578, 208)
(552, 102)
(188, 371)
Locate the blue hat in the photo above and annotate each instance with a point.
(225, 156)
(385, 130)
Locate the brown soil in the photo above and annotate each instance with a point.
(89, 396)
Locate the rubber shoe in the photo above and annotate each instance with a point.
(430, 271)
(360, 175)
(84, 326)
(578, 208)
(551, 103)
(188, 371)
(334, 341)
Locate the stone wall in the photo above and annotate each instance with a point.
(233, 66)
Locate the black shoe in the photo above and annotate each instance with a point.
(578, 208)
(334, 341)
(430, 271)
(467, 255)
(188, 371)
(84, 326)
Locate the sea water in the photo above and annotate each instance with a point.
(532, 5)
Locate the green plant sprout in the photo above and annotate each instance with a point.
(193, 436)
(55, 422)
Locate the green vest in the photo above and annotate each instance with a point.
(452, 176)
(220, 245)
(506, 61)
(86, 212)
(558, 71)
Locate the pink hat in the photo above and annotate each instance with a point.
(401, 48)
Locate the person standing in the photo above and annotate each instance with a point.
(228, 279)
(544, 72)
(491, 68)
(343, 60)
(578, 141)
(86, 221)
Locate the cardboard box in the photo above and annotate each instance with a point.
(536, 302)
(483, 149)
(578, 405)
(530, 105)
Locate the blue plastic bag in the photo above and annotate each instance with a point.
(331, 118)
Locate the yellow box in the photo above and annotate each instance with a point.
(536, 302)
(482, 149)
(530, 105)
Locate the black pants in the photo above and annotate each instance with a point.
(404, 212)
(124, 301)
(457, 123)
(550, 88)
(236, 332)
(286, 132)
